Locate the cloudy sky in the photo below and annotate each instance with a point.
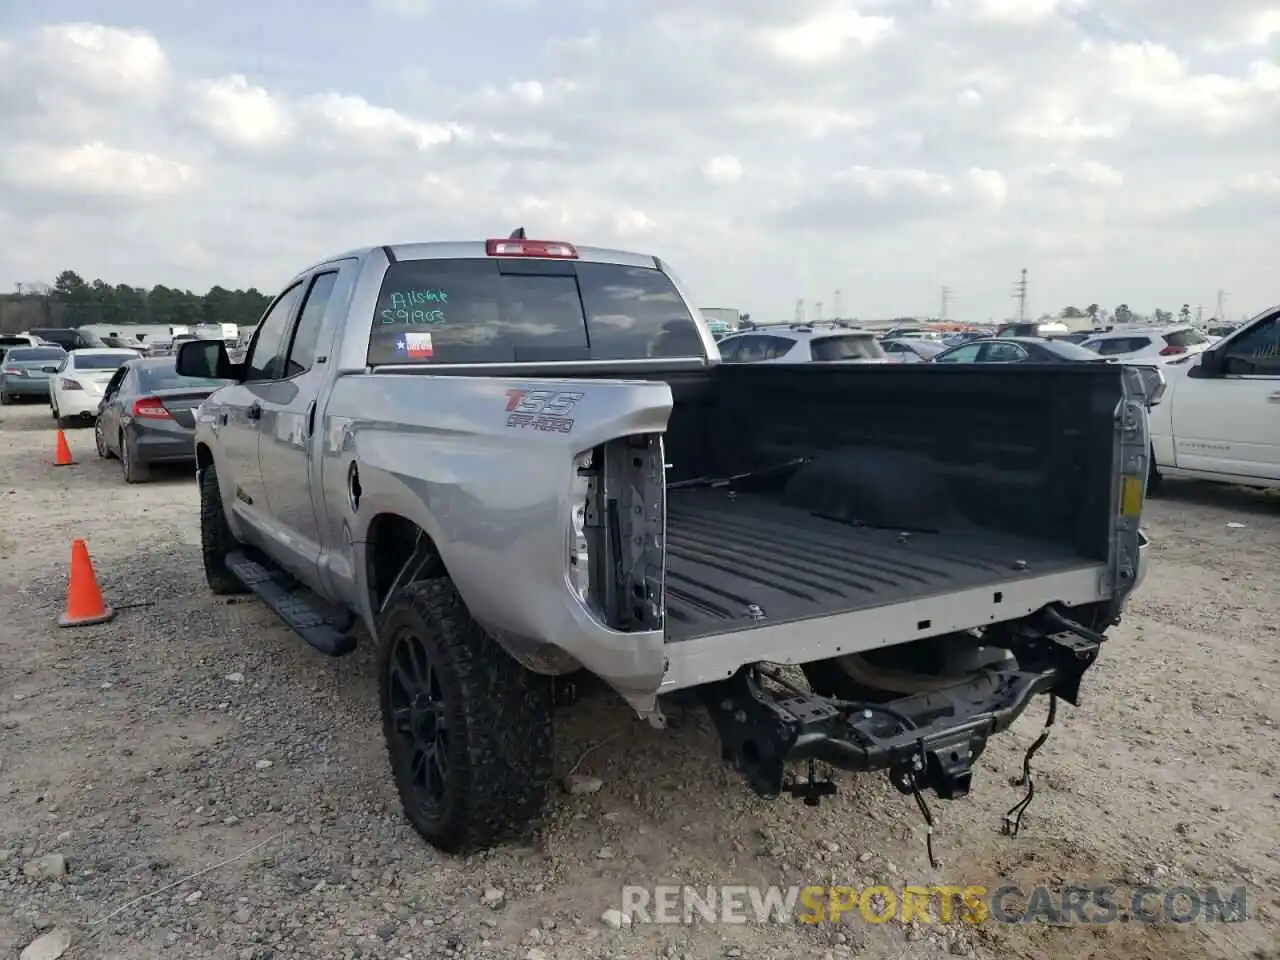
(1120, 150)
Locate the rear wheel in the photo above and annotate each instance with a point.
(134, 470)
(216, 540)
(100, 440)
(468, 729)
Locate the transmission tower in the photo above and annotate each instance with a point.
(800, 311)
(1021, 295)
(946, 302)
(1222, 301)
(835, 306)
(817, 312)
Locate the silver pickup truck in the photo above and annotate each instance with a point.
(511, 460)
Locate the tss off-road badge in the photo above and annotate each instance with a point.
(545, 410)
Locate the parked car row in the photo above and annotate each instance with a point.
(141, 410)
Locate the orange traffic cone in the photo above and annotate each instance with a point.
(62, 452)
(84, 600)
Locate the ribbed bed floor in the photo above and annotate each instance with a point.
(725, 555)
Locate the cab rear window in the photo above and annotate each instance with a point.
(527, 311)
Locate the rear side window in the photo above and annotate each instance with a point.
(1119, 345)
(511, 311)
(845, 347)
(1185, 338)
(32, 354)
(102, 361)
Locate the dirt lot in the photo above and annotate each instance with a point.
(191, 730)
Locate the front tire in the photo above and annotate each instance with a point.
(216, 540)
(468, 729)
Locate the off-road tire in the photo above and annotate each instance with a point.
(4, 400)
(216, 540)
(134, 472)
(498, 715)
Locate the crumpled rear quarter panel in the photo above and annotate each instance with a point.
(492, 490)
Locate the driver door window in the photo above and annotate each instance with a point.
(1256, 353)
(965, 354)
(266, 357)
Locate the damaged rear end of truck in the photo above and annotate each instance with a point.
(933, 547)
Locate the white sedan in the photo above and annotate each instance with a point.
(76, 389)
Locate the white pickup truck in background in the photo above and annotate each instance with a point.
(1219, 419)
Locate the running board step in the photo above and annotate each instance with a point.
(283, 595)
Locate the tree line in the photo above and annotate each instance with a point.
(1122, 314)
(71, 301)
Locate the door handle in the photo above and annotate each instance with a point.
(254, 413)
(311, 418)
(1274, 398)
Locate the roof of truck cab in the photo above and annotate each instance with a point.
(475, 249)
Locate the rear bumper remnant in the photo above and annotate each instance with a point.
(928, 741)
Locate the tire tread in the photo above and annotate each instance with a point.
(505, 759)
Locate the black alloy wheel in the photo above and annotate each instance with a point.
(419, 718)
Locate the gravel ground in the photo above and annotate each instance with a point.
(192, 730)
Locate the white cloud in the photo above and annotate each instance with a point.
(827, 35)
(1113, 149)
(360, 121)
(97, 170)
(723, 170)
(241, 113)
(1017, 11)
(1088, 173)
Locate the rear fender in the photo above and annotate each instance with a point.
(486, 467)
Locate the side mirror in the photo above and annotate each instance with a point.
(206, 359)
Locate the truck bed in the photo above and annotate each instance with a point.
(727, 552)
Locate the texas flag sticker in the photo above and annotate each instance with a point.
(418, 346)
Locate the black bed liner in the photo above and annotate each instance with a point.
(735, 561)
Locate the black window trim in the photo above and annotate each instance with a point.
(291, 322)
(296, 322)
(1244, 332)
